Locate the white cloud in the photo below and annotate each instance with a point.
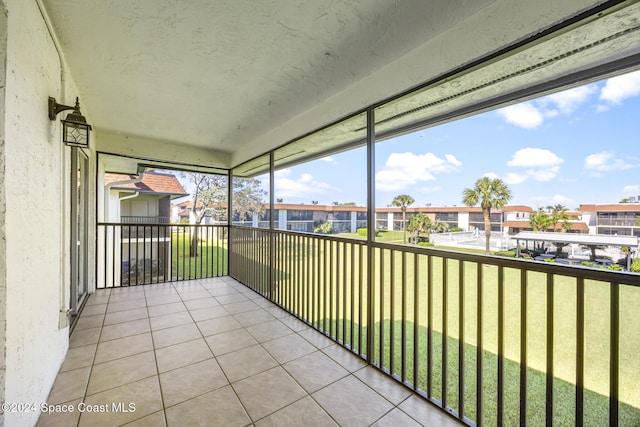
(538, 163)
(616, 89)
(531, 114)
(491, 175)
(631, 189)
(328, 159)
(524, 115)
(404, 169)
(452, 159)
(515, 178)
(534, 157)
(567, 101)
(286, 187)
(604, 161)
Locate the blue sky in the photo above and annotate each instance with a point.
(572, 147)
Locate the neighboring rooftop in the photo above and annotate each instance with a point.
(152, 182)
(583, 239)
(618, 207)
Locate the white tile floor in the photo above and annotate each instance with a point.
(214, 353)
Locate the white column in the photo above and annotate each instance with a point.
(282, 219)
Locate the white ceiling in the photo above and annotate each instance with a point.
(244, 76)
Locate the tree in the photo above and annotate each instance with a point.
(323, 227)
(402, 201)
(491, 193)
(558, 214)
(248, 197)
(419, 223)
(210, 197)
(625, 200)
(540, 220)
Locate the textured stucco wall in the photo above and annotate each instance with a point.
(36, 181)
(3, 252)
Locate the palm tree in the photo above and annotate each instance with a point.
(403, 200)
(558, 213)
(419, 223)
(491, 193)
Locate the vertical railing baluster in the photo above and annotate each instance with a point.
(445, 331)
(201, 252)
(113, 256)
(360, 300)
(614, 347)
(137, 255)
(184, 238)
(316, 281)
(523, 347)
(479, 349)
(549, 363)
(353, 294)
(382, 303)
(461, 369)
(429, 326)
(337, 287)
(331, 287)
(325, 256)
(344, 292)
(392, 316)
(308, 286)
(580, 352)
(500, 418)
(416, 320)
(403, 331)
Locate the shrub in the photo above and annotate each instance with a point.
(510, 254)
(323, 228)
(615, 267)
(363, 232)
(426, 244)
(635, 266)
(456, 229)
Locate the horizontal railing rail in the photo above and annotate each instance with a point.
(490, 340)
(144, 219)
(139, 254)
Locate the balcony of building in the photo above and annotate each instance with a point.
(248, 90)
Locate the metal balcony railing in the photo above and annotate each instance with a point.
(490, 340)
(136, 254)
(144, 219)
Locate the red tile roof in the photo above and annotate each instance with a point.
(152, 182)
(517, 208)
(617, 207)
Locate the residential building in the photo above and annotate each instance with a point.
(621, 219)
(142, 248)
(141, 198)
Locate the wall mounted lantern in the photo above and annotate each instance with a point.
(75, 130)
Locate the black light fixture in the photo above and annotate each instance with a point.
(75, 130)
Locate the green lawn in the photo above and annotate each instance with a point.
(331, 286)
(382, 236)
(211, 259)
